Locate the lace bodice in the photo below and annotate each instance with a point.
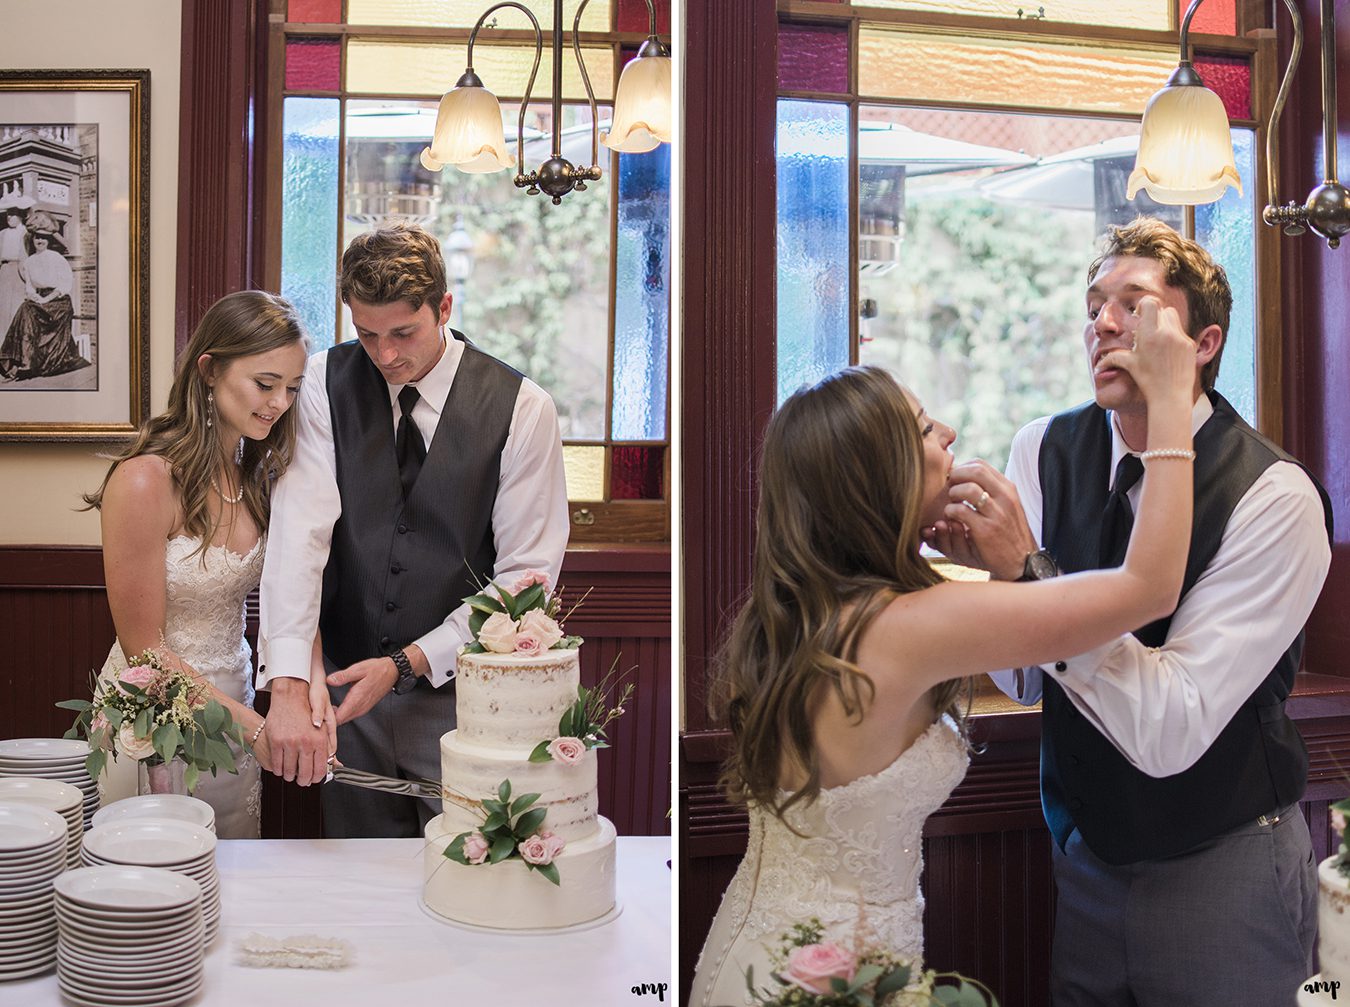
(859, 848)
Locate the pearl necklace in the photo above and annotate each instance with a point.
(231, 500)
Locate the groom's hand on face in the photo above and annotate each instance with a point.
(988, 532)
(370, 680)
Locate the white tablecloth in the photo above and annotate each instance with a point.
(366, 892)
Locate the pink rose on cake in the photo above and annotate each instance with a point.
(498, 633)
(535, 623)
(541, 848)
(475, 848)
(528, 646)
(567, 750)
(813, 966)
(528, 579)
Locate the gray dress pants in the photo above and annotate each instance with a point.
(1231, 923)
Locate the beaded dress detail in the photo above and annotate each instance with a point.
(204, 624)
(859, 843)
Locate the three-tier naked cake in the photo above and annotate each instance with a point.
(495, 857)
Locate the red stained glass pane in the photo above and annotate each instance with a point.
(637, 473)
(632, 15)
(317, 11)
(812, 58)
(1231, 79)
(1214, 17)
(313, 64)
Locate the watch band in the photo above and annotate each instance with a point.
(406, 678)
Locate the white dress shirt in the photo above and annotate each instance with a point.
(529, 518)
(1163, 707)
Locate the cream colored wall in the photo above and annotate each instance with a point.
(40, 485)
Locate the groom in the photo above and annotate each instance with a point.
(1170, 772)
(423, 467)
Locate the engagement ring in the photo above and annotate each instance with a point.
(984, 499)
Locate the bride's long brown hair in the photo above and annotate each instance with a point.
(841, 482)
(241, 324)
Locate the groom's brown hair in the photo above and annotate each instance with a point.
(401, 262)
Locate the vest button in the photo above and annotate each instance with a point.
(1059, 665)
(389, 606)
(396, 569)
(385, 641)
(402, 529)
(1075, 805)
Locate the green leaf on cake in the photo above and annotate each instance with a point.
(522, 802)
(455, 851)
(493, 821)
(476, 620)
(502, 847)
(529, 822)
(540, 753)
(504, 791)
(474, 648)
(484, 603)
(549, 871)
(531, 597)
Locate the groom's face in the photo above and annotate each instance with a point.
(403, 342)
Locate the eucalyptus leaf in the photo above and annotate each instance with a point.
(191, 775)
(143, 719)
(893, 982)
(864, 975)
(949, 995)
(75, 704)
(114, 716)
(95, 761)
(213, 717)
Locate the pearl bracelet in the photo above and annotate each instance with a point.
(1181, 454)
(257, 734)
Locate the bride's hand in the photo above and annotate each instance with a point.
(1162, 360)
(261, 751)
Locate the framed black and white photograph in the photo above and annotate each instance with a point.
(74, 254)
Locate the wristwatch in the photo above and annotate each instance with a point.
(1039, 565)
(406, 679)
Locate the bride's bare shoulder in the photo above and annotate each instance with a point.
(143, 483)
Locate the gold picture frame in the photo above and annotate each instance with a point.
(74, 254)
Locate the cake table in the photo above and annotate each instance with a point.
(366, 891)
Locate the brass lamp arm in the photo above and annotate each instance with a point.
(586, 80)
(529, 87)
(1271, 213)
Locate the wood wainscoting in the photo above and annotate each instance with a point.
(57, 630)
(987, 860)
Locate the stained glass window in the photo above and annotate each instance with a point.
(1122, 13)
(465, 13)
(812, 58)
(377, 67)
(308, 223)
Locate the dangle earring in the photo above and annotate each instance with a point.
(210, 406)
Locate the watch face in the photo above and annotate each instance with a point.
(1041, 566)
(405, 683)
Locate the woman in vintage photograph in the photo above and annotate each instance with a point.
(184, 515)
(844, 675)
(38, 342)
(13, 250)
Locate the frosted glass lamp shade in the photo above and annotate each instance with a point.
(642, 116)
(469, 133)
(1185, 148)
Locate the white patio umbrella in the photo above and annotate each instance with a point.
(1061, 181)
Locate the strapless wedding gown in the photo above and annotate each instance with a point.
(860, 846)
(204, 624)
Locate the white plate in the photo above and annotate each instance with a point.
(98, 933)
(178, 807)
(36, 934)
(200, 868)
(81, 916)
(11, 972)
(124, 960)
(150, 842)
(54, 794)
(126, 888)
(25, 827)
(43, 748)
(109, 996)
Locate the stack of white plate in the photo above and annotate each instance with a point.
(51, 759)
(179, 807)
(128, 936)
(32, 854)
(180, 847)
(54, 796)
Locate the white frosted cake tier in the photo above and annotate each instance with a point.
(1333, 923)
(476, 771)
(506, 701)
(510, 896)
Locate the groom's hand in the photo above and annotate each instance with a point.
(299, 750)
(370, 680)
(993, 536)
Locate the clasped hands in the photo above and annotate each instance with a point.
(983, 524)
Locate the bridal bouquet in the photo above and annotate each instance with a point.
(809, 971)
(155, 713)
(582, 727)
(1339, 810)
(525, 620)
(512, 828)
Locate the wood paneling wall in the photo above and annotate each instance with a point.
(57, 630)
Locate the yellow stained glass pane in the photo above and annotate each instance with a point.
(926, 67)
(465, 13)
(1125, 13)
(431, 68)
(585, 464)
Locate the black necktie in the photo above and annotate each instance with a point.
(1118, 518)
(408, 444)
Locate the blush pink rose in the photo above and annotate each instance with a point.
(553, 843)
(529, 646)
(566, 750)
(536, 850)
(498, 633)
(476, 848)
(140, 675)
(538, 625)
(813, 966)
(1338, 821)
(528, 579)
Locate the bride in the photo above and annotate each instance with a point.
(184, 514)
(843, 677)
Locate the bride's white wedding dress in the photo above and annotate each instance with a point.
(204, 625)
(859, 845)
